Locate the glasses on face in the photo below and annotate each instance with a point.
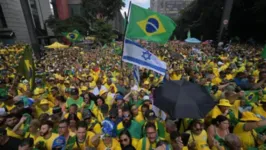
(62, 127)
(123, 140)
(151, 133)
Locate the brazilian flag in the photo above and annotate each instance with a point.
(149, 25)
(73, 36)
(251, 96)
(26, 66)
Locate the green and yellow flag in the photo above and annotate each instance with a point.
(149, 25)
(72, 36)
(251, 96)
(26, 66)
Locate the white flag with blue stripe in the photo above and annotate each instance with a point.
(136, 74)
(137, 55)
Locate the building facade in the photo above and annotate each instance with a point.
(23, 20)
(170, 8)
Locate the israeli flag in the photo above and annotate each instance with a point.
(136, 74)
(137, 55)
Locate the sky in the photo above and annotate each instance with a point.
(142, 3)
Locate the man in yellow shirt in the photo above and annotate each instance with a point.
(83, 137)
(93, 125)
(47, 139)
(149, 142)
(43, 108)
(13, 126)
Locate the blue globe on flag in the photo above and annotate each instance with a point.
(152, 25)
(72, 36)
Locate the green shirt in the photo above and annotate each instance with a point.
(78, 102)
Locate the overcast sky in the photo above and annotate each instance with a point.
(142, 3)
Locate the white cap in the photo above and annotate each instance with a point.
(146, 97)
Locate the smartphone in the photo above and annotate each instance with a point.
(185, 138)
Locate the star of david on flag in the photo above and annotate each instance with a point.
(139, 56)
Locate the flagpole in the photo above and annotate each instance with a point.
(125, 30)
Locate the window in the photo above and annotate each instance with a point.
(2, 19)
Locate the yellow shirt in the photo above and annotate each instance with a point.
(92, 84)
(115, 145)
(246, 137)
(201, 140)
(147, 146)
(39, 111)
(13, 134)
(86, 143)
(48, 142)
(139, 118)
(259, 110)
(97, 129)
(79, 115)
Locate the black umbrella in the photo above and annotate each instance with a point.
(183, 99)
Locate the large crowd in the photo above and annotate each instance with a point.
(88, 99)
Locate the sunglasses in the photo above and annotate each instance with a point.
(112, 117)
(123, 140)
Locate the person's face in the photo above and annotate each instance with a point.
(109, 82)
(99, 86)
(3, 137)
(120, 113)
(151, 134)
(72, 109)
(135, 97)
(86, 99)
(11, 122)
(54, 92)
(2, 120)
(90, 79)
(224, 125)
(72, 123)
(44, 130)
(124, 140)
(223, 108)
(33, 129)
(107, 139)
(126, 116)
(119, 102)
(99, 102)
(24, 147)
(62, 128)
(197, 128)
(147, 102)
(134, 110)
(121, 82)
(81, 134)
(44, 107)
(143, 110)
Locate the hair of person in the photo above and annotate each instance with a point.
(145, 106)
(99, 82)
(162, 142)
(194, 122)
(125, 108)
(101, 98)
(10, 116)
(27, 141)
(219, 119)
(61, 98)
(170, 123)
(64, 121)
(73, 117)
(74, 105)
(49, 123)
(127, 133)
(150, 125)
(82, 124)
(174, 135)
(55, 88)
(36, 123)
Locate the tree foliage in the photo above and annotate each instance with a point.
(203, 18)
(94, 18)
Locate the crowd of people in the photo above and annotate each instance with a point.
(88, 99)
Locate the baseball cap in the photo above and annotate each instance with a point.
(150, 115)
(146, 98)
(119, 97)
(2, 131)
(74, 91)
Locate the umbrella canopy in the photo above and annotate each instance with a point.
(183, 99)
(57, 45)
(192, 40)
